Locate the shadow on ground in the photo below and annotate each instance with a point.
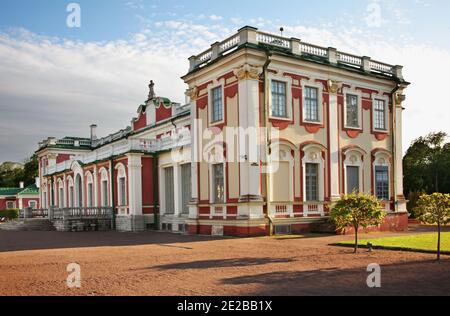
(33, 240)
(223, 263)
(412, 278)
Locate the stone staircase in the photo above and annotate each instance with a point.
(35, 224)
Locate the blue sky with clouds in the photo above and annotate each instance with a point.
(55, 80)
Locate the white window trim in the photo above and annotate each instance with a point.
(353, 159)
(386, 112)
(104, 177)
(13, 205)
(382, 159)
(211, 87)
(288, 81)
(313, 154)
(121, 174)
(89, 194)
(70, 187)
(313, 84)
(284, 156)
(212, 201)
(61, 186)
(357, 93)
(162, 184)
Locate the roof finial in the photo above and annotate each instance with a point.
(151, 93)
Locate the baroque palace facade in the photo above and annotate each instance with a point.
(330, 122)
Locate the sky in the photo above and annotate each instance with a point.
(58, 76)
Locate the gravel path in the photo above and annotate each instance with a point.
(34, 263)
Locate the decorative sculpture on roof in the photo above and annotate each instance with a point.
(151, 93)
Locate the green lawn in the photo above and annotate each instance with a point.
(419, 243)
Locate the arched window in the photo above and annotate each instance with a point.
(89, 189)
(70, 186)
(353, 170)
(61, 194)
(121, 185)
(104, 179)
(382, 175)
(313, 179)
(79, 190)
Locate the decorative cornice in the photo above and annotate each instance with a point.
(248, 72)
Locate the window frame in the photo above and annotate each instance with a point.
(275, 95)
(289, 111)
(317, 193)
(213, 197)
(382, 159)
(346, 92)
(311, 83)
(385, 99)
(13, 205)
(211, 90)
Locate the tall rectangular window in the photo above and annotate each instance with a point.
(90, 195)
(61, 197)
(71, 197)
(352, 111)
(217, 105)
(104, 193)
(218, 182)
(169, 190)
(122, 188)
(279, 99)
(312, 181)
(382, 182)
(311, 104)
(352, 179)
(380, 114)
(186, 185)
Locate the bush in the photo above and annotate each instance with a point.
(9, 214)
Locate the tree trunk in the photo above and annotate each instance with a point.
(356, 239)
(439, 243)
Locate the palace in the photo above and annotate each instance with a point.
(314, 123)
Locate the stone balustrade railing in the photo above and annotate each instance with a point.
(182, 138)
(251, 35)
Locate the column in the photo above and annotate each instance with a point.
(135, 183)
(398, 168)
(333, 131)
(177, 189)
(195, 155)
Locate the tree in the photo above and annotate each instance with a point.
(434, 209)
(11, 174)
(357, 210)
(426, 165)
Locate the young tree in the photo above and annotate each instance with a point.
(357, 210)
(434, 209)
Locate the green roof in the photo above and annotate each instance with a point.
(30, 190)
(9, 191)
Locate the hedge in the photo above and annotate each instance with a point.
(9, 214)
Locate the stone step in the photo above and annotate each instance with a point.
(28, 225)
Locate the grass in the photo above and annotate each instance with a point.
(426, 243)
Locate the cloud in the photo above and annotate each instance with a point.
(57, 87)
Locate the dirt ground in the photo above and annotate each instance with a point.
(34, 263)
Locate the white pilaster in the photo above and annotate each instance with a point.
(135, 183)
(399, 158)
(334, 146)
(195, 154)
(177, 189)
